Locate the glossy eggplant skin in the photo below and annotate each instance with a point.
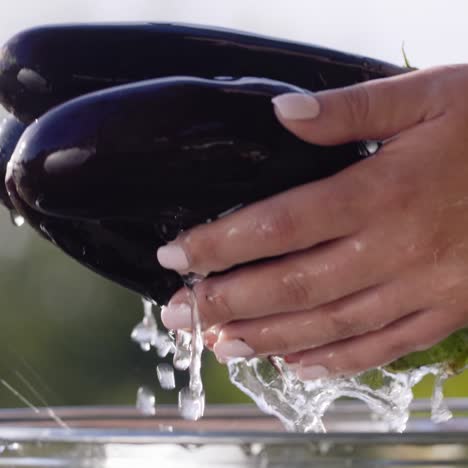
(45, 66)
(111, 176)
(10, 131)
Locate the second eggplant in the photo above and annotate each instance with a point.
(111, 176)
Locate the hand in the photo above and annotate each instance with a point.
(356, 270)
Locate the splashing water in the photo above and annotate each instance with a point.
(301, 405)
(275, 387)
(147, 334)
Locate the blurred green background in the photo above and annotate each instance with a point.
(64, 331)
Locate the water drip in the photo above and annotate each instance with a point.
(166, 376)
(16, 218)
(146, 401)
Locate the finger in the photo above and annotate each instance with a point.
(295, 282)
(293, 220)
(416, 332)
(351, 316)
(210, 336)
(377, 109)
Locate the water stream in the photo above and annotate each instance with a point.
(187, 347)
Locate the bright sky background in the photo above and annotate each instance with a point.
(434, 32)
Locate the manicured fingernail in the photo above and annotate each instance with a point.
(172, 257)
(226, 349)
(297, 106)
(312, 372)
(177, 316)
(210, 336)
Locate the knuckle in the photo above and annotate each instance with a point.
(340, 325)
(212, 304)
(278, 226)
(200, 246)
(296, 290)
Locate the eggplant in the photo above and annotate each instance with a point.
(96, 174)
(10, 131)
(112, 175)
(48, 65)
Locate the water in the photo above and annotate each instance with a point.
(187, 350)
(192, 398)
(439, 410)
(191, 404)
(301, 405)
(146, 401)
(275, 387)
(16, 218)
(147, 334)
(166, 376)
(182, 354)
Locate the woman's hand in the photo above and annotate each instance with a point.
(356, 270)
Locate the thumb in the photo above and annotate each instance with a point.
(373, 110)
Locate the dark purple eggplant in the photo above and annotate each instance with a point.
(48, 65)
(10, 131)
(111, 176)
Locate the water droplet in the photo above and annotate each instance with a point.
(182, 350)
(166, 376)
(372, 146)
(191, 404)
(14, 447)
(146, 401)
(146, 332)
(164, 344)
(16, 218)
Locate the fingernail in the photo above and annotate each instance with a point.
(210, 336)
(177, 316)
(172, 257)
(227, 349)
(312, 372)
(297, 106)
